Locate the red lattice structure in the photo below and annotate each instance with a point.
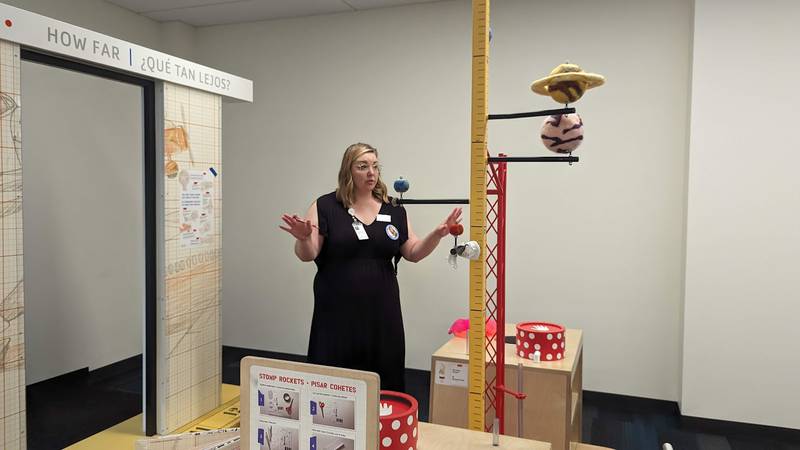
(495, 291)
(496, 194)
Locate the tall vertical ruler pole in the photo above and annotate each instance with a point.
(477, 202)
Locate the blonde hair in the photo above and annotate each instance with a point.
(346, 191)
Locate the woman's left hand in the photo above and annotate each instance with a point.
(453, 218)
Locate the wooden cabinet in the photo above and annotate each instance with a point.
(552, 410)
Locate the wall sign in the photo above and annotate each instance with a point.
(54, 36)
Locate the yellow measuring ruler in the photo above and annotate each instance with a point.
(477, 208)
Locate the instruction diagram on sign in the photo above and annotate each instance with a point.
(301, 411)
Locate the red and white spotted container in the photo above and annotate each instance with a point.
(398, 430)
(548, 339)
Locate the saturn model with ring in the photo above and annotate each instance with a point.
(567, 83)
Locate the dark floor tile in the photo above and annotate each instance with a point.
(747, 444)
(643, 433)
(713, 442)
(607, 432)
(589, 416)
(787, 446)
(68, 409)
(680, 440)
(742, 434)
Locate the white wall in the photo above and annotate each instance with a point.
(177, 38)
(597, 246)
(83, 215)
(743, 234)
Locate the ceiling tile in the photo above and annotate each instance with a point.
(248, 11)
(143, 6)
(371, 4)
(218, 12)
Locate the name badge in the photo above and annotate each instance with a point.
(361, 233)
(384, 218)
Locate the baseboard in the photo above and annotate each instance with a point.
(418, 372)
(134, 363)
(240, 352)
(97, 375)
(68, 377)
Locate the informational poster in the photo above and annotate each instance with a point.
(197, 207)
(302, 411)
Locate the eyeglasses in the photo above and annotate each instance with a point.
(363, 167)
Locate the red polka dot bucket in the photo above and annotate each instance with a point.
(548, 339)
(398, 421)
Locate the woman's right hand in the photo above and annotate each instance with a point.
(296, 226)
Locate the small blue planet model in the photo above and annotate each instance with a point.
(401, 185)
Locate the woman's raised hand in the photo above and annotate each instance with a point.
(453, 218)
(296, 226)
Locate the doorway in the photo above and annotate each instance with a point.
(90, 229)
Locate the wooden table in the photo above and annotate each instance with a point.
(441, 437)
(552, 410)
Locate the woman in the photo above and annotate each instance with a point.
(352, 235)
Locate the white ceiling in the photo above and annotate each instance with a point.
(218, 12)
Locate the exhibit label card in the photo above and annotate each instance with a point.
(301, 411)
(452, 373)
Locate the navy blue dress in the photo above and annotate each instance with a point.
(357, 322)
